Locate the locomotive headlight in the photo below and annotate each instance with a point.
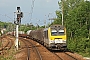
(64, 41)
(51, 41)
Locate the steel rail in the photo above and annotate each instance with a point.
(28, 51)
(37, 51)
(39, 55)
(71, 56)
(57, 56)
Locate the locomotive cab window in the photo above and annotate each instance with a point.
(61, 32)
(54, 32)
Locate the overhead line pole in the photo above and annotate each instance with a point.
(62, 12)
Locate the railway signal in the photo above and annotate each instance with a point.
(17, 22)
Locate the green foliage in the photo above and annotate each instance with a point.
(27, 27)
(10, 27)
(7, 26)
(71, 45)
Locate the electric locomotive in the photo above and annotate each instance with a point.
(53, 38)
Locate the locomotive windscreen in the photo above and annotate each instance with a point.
(57, 32)
(54, 32)
(61, 32)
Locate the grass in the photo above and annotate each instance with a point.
(10, 55)
(84, 54)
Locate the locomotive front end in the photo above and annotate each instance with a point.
(57, 37)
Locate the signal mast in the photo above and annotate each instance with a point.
(18, 22)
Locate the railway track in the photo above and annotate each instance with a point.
(6, 44)
(31, 48)
(66, 56)
(74, 55)
(43, 53)
(57, 56)
(48, 55)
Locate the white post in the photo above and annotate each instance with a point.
(16, 43)
(62, 11)
(17, 22)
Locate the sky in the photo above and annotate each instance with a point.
(42, 10)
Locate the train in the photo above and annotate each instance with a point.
(54, 37)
